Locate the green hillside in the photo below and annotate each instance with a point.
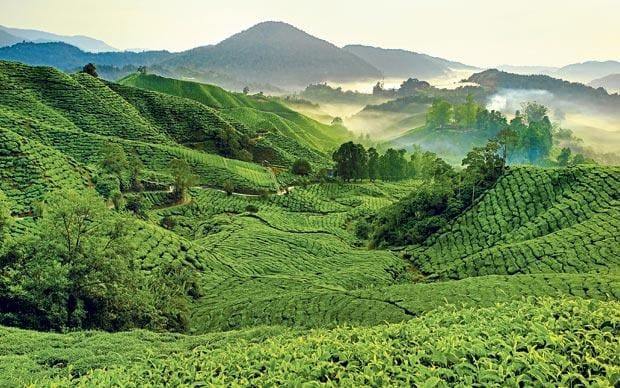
(129, 209)
(556, 342)
(56, 109)
(533, 221)
(261, 114)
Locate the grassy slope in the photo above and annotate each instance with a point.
(77, 115)
(257, 112)
(289, 260)
(29, 169)
(533, 221)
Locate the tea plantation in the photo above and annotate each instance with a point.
(555, 342)
(522, 288)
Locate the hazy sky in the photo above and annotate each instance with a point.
(478, 32)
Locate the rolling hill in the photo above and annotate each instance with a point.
(610, 82)
(550, 341)
(279, 54)
(82, 42)
(78, 114)
(405, 64)
(568, 96)
(522, 288)
(70, 58)
(588, 71)
(7, 39)
(533, 221)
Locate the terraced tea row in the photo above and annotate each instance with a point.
(533, 221)
(556, 342)
(311, 303)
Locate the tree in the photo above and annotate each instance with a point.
(534, 112)
(246, 90)
(229, 187)
(183, 179)
(483, 166)
(90, 69)
(507, 139)
(337, 121)
(377, 90)
(439, 114)
(137, 205)
(135, 172)
(142, 70)
(564, 157)
(537, 139)
(465, 114)
(351, 161)
(79, 269)
(76, 270)
(393, 165)
(114, 159)
(579, 159)
(373, 164)
(301, 167)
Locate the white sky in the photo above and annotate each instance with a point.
(477, 32)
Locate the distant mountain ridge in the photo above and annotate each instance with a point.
(7, 39)
(577, 93)
(404, 64)
(84, 43)
(610, 82)
(280, 54)
(588, 71)
(67, 57)
(584, 72)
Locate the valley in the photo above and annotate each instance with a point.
(278, 210)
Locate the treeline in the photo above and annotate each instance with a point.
(408, 88)
(354, 162)
(527, 138)
(444, 194)
(77, 267)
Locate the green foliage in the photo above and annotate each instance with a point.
(564, 157)
(183, 179)
(229, 187)
(78, 270)
(301, 167)
(6, 220)
(392, 165)
(534, 342)
(439, 114)
(415, 218)
(532, 221)
(351, 161)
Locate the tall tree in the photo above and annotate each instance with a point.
(508, 140)
(90, 69)
(465, 114)
(393, 165)
(534, 112)
(483, 166)
(183, 179)
(564, 157)
(373, 164)
(439, 114)
(351, 161)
